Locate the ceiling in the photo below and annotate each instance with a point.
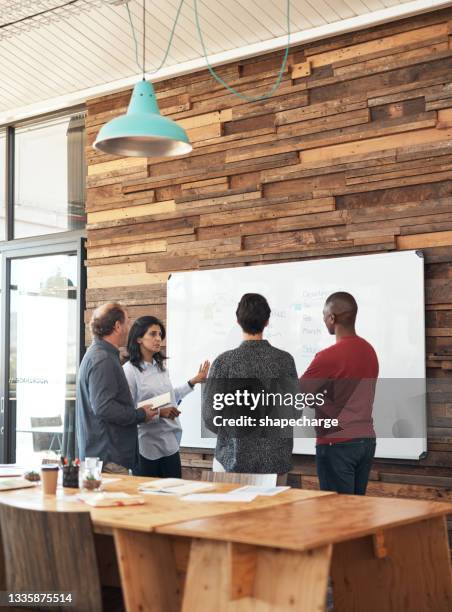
(54, 53)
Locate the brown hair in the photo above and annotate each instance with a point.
(105, 317)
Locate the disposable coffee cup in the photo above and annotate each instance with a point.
(49, 478)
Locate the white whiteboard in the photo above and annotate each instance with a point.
(389, 289)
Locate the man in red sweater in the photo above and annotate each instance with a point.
(346, 373)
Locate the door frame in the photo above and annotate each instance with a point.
(71, 242)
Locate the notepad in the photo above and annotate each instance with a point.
(102, 500)
(10, 483)
(232, 496)
(156, 402)
(9, 471)
(175, 486)
(259, 490)
(107, 481)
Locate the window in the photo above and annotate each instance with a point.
(43, 352)
(42, 284)
(2, 184)
(49, 169)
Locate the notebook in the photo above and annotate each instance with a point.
(10, 483)
(232, 496)
(102, 500)
(11, 470)
(156, 402)
(175, 486)
(262, 490)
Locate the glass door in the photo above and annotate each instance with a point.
(42, 351)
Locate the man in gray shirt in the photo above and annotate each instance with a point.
(106, 417)
(253, 367)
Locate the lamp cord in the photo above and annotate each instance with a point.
(216, 76)
(144, 38)
(170, 42)
(231, 89)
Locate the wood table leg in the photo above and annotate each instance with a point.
(413, 574)
(2, 567)
(107, 560)
(274, 581)
(147, 566)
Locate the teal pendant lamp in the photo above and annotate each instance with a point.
(142, 131)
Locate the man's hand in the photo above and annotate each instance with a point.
(150, 412)
(169, 413)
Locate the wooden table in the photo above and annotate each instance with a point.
(270, 555)
(152, 567)
(388, 555)
(157, 511)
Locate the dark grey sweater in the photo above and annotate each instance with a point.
(105, 413)
(258, 450)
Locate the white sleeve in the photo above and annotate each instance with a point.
(182, 391)
(132, 381)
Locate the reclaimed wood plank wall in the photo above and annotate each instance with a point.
(351, 155)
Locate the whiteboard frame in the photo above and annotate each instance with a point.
(309, 444)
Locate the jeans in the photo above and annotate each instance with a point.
(165, 467)
(344, 467)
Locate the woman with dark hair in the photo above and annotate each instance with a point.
(147, 376)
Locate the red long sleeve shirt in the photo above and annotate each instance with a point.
(353, 363)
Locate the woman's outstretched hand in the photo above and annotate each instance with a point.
(202, 373)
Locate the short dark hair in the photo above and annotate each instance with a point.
(344, 306)
(105, 317)
(253, 312)
(138, 329)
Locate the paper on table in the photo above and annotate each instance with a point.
(232, 496)
(165, 483)
(9, 483)
(175, 486)
(157, 401)
(110, 499)
(257, 490)
(6, 472)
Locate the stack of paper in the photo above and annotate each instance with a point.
(175, 486)
(7, 484)
(100, 500)
(11, 470)
(243, 494)
(232, 496)
(261, 490)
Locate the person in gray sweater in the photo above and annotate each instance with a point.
(252, 367)
(106, 418)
